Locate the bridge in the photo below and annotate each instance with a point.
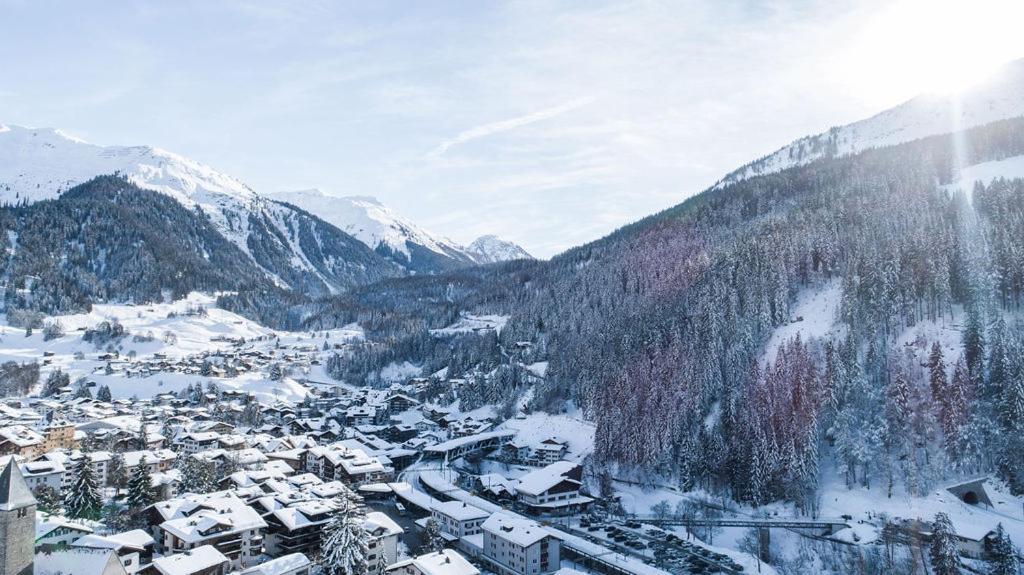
(455, 448)
(822, 524)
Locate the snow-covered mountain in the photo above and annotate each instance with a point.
(398, 238)
(492, 249)
(998, 98)
(40, 164)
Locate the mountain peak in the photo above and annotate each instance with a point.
(490, 248)
(372, 222)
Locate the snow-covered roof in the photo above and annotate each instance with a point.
(279, 566)
(193, 561)
(14, 492)
(444, 562)
(20, 435)
(77, 561)
(46, 524)
(469, 439)
(541, 480)
(515, 529)
(192, 520)
(137, 539)
(460, 511)
(376, 521)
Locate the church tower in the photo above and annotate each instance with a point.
(17, 522)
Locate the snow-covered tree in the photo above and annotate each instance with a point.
(432, 540)
(47, 499)
(117, 472)
(83, 498)
(944, 552)
(343, 545)
(140, 487)
(1002, 558)
(197, 476)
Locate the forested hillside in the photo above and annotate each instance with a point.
(657, 331)
(109, 240)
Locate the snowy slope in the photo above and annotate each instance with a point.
(381, 229)
(193, 335)
(40, 164)
(491, 249)
(999, 98)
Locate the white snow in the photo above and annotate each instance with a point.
(373, 223)
(492, 249)
(986, 172)
(369, 221)
(537, 427)
(812, 316)
(473, 323)
(193, 334)
(399, 372)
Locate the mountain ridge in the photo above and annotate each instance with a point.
(372, 222)
(41, 164)
(996, 98)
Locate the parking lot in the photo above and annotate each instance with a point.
(657, 546)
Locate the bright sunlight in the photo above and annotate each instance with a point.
(934, 46)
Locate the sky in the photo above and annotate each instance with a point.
(547, 123)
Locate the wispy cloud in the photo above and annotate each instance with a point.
(509, 124)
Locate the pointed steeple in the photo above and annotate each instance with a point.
(14, 492)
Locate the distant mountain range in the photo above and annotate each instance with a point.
(401, 240)
(315, 247)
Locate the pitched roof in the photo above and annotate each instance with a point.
(14, 492)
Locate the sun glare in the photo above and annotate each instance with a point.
(918, 46)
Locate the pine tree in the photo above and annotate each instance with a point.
(56, 380)
(103, 394)
(83, 497)
(47, 499)
(937, 372)
(433, 542)
(344, 543)
(140, 487)
(117, 473)
(974, 342)
(945, 554)
(1011, 408)
(1002, 558)
(197, 476)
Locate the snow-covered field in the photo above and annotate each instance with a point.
(537, 427)
(473, 323)
(813, 316)
(172, 330)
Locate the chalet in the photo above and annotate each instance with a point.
(550, 450)
(54, 531)
(351, 466)
(77, 560)
(134, 549)
(444, 562)
(20, 440)
(195, 441)
(552, 489)
(43, 473)
(221, 520)
(203, 560)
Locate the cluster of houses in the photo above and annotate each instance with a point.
(235, 358)
(284, 478)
